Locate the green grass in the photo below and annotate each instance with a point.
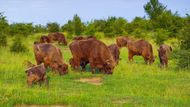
(132, 84)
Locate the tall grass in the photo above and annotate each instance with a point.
(132, 84)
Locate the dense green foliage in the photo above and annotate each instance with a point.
(23, 29)
(53, 27)
(17, 46)
(3, 40)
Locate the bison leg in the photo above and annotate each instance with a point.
(130, 57)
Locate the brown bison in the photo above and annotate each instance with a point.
(45, 39)
(163, 53)
(36, 74)
(114, 49)
(51, 56)
(139, 47)
(82, 37)
(94, 52)
(58, 37)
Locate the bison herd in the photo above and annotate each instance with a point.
(87, 50)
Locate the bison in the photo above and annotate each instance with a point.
(58, 37)
(82, 37)
(36, 74)
(163, 53)
(139, 47)
(51, 56)
(114, 49)
(45, 39)
(94, 52)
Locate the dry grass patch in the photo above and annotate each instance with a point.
(93, 80)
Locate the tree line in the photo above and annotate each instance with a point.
(159, 25)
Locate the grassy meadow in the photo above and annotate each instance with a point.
(132, 84)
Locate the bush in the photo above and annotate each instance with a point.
(99, 35)
(3, 40)
(139, 33)
(53, 27)
(23, 29)
(17, 46)
(184, 59)
(184, 52)
(160, 36)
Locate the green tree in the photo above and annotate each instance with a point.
(154, 8)
(78, 25)
(53, 27)
(184, 52)
(23, 29)
(160, 36)
(3, 24)
(119, 26)
(40, 29)
(69, 28)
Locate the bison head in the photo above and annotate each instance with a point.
(109, 66)
(122, 41)
(62, 69)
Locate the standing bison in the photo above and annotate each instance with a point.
(163, 53)
(114, 49)
(139, 47)
(94, 52)
(58, 37)
(51, 56)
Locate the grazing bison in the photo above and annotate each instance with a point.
(139, 47)
(94, 52)
(163, 53)
(51, 56)
(58, 37)
(82, 37)
(36, 74)
(121, 41)
(114, 49)
(45, 39)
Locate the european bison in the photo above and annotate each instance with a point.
(58, 37)
(36, 74)
(45, 39)
(93, 51)
(114, 49)
(82, 37)
(139, 47)
(163, 53)
(51, 56)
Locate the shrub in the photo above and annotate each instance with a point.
(184, 52)
(160, 36)
(139, 33)
(3, 40)
(184, 59)
(17, 46)
(99, 35)
(53, 27)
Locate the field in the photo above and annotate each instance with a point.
(132, 84)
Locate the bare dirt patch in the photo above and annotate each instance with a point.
(93, 80)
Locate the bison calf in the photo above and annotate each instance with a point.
(163, 53)
(36, 74)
